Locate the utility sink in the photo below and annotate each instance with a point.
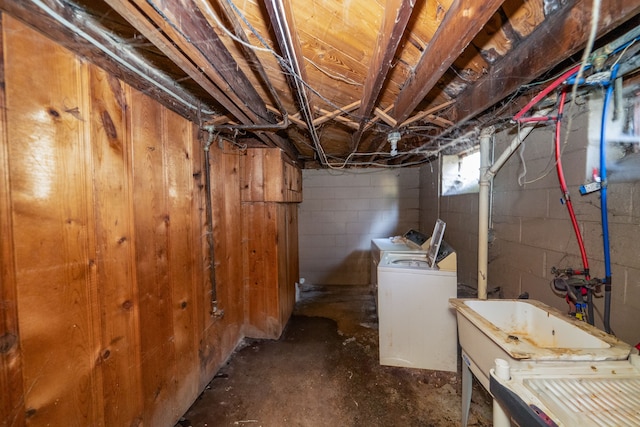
(528, 330)
(527, 334)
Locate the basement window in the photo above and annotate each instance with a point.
(460, 173)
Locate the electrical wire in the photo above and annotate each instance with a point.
(288, 68)
(152, 76)
(334, 76)
(595, 17)
(584, 62)
(282, 61)
(547, 169)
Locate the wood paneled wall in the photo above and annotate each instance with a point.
(271, 188)
(104, 280)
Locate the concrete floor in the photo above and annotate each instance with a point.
(324, 371)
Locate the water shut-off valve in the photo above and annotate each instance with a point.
(574, 286)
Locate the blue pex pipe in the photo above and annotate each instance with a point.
(603, 203)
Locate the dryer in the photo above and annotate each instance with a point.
(417, 327)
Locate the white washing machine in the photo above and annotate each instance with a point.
(412, 242)
(417, 327)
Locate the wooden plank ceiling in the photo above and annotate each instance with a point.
(329, 80)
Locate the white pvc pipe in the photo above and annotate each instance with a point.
(486, 175)
(483, 211)
(503, 372)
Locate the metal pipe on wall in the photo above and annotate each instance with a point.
(215, 311)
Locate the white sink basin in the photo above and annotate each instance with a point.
(527, 331)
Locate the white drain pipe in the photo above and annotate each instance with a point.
(483, 210)
(486, 175)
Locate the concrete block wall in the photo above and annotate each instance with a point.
(460, 213)
(343, 210)
(429, 195)
(531, 229)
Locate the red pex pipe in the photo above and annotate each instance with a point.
(565, 191)
(546, 91)
(536, 119)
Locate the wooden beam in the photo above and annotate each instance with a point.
(332, 115)
(295, 118)
(421, 115)
(249, 53)
(385, 117)
(149, 30)
(283, 24)
(256, 66)
(368, 126)
(561, 35)
(439, 120)
(376, 119)
(464, 19)
(394, 23)
(338, 118)
(195, 47)
(186, 27)
(81, 34)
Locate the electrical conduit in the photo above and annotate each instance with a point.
(215, 311)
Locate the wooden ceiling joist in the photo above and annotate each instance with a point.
(564, 29)
(147, 28)
(467, 17)
(188, 19)
(248, 52)
(294, 118)
(333, 114)
(338, 118)
(375, 119)
(80, 33)
(187, 27)
(426, 113)
(440, 121)
(394, 23)
(282, 21)
(385, 117)
(194, 46)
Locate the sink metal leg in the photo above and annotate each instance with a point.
(467, 384)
